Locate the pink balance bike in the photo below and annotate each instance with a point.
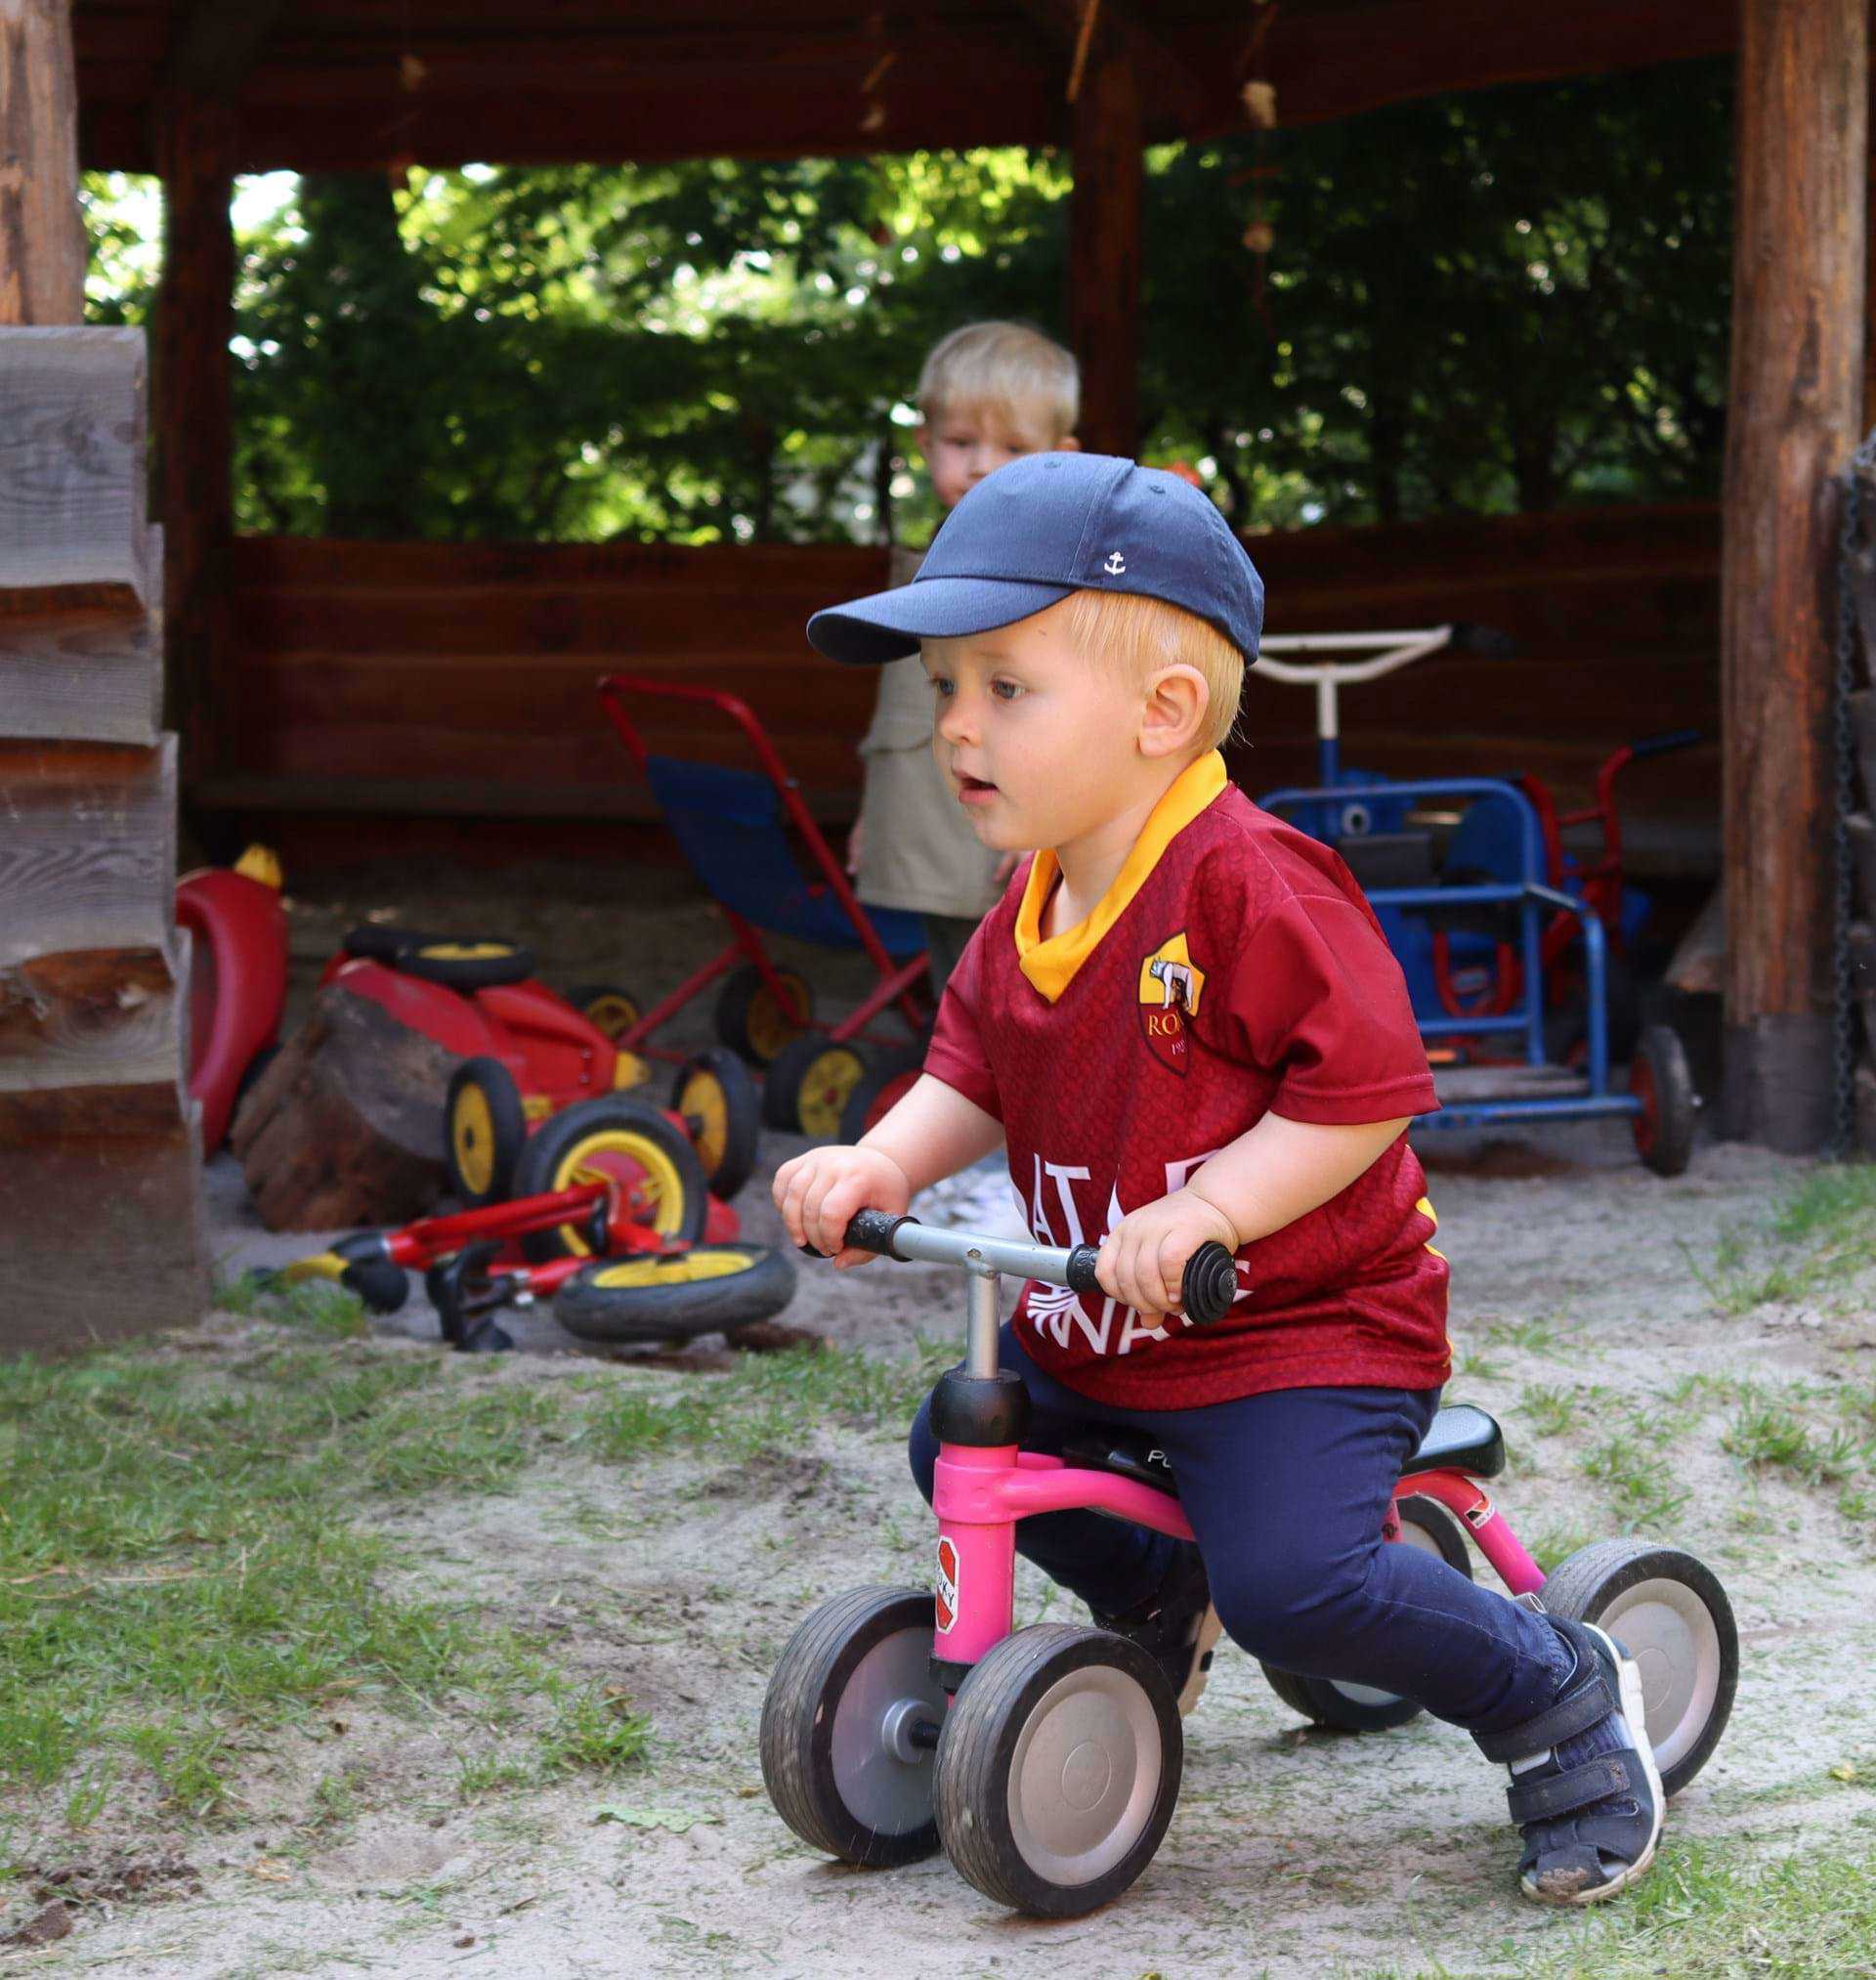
(1046, 1761)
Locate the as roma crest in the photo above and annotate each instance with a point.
(1170, 987)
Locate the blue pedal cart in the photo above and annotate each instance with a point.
(1490, 1065)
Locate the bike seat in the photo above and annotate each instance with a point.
(1460, 1437)
(1130, 1453)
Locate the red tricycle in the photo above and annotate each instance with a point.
(1046, 1761)
(528, 1054)
(581, 1244)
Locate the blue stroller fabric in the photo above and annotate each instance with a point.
(733, 832)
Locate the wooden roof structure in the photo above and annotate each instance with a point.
(331, 84)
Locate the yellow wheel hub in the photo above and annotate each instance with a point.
(654, 1197)
(826, 1085)
(472, 1139)
(465, 952)
(688, 1269)
(706, 1108)
(770, 1027)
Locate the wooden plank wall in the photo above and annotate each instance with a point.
(402, 679)
(99, 1163)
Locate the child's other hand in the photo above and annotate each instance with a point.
(1143, 1258)
(819, 1192)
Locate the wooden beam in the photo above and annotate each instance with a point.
(193, 420)
(1171, 91)
(1795, 405)
(1104, 252)
(216, 43)
(42, 242)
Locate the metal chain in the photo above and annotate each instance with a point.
(1843, 1001)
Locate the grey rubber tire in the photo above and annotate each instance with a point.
(853, 1662)
(1668, 1612)
(1363, 1708)
(1052, 1700)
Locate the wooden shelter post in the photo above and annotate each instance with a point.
(1794, 407)
(1104, 250)
(99, 1164)
(193, 417)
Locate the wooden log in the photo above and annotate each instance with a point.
(73, 527)
(97, 1017)
(88, 858)
(101, 1231)
(1104, 250)
(193, 399)
(1795, 403)
(95, 677)
(42, 242)
(346, 1126)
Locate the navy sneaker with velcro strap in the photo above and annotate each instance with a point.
(1176, 1626)
(1586, 1792)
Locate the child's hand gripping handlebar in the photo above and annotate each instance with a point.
(1207, 1289)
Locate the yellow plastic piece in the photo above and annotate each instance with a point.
(660, 1192)
(706, 1108)
(466, 952)
(536, 1106)
(321, 1265)
(472, 1135)
(689, 1269)
(262, 863)
(630, 1070)
(828, 1080)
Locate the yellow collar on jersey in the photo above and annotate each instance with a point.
(1050, 964)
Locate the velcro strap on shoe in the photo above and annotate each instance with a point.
(1588, 1703)
(1555, 1794)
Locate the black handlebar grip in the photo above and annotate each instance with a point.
(1659, 745)
(1081, 1269)
(874, 1230)
(1210, 1284)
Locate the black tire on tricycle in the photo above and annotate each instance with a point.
(653, 1161)
(485, 1130)
(806, 1090)
(706, 1290)
(750, 1018)
(839, 1758)
(1661, 1079)
(722, 1113)
(1058, 1769)
(1668, 1612)
(467, 962)
(1364, 1709)
(889, 1076)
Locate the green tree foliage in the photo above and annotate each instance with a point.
(1479, 303)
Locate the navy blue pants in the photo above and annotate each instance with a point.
(1286, 1493)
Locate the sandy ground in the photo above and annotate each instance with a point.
(1294, 1852)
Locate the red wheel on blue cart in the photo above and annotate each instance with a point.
(1660, 1078)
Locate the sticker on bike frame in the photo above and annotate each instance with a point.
(947, 1589)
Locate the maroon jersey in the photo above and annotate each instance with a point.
(1233, 970)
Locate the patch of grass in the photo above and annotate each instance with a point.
(595, 1731)
(1534, 1336)
(1828, 1221)
(767, 1401)
(1551, 1546)
(1643, 1487)
(318, 1306)
(1547, 1410)
(1768, 1435)
(1829, 1199)
(1706, 1915)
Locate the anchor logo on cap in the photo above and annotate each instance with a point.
(1116, 564)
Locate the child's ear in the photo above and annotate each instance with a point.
(1173, 711)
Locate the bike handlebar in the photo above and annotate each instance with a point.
(1207, 1288)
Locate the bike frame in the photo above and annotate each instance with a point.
(981, 1491)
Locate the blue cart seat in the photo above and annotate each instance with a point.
(731, 827)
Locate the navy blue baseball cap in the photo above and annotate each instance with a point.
(1043, 527)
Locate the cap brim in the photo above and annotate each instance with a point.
(890, 624)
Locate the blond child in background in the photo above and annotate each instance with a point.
(989, 393)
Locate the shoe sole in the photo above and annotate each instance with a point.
(1200, 1675)
(1634, 1716)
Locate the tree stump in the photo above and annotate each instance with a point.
(346, 1126)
